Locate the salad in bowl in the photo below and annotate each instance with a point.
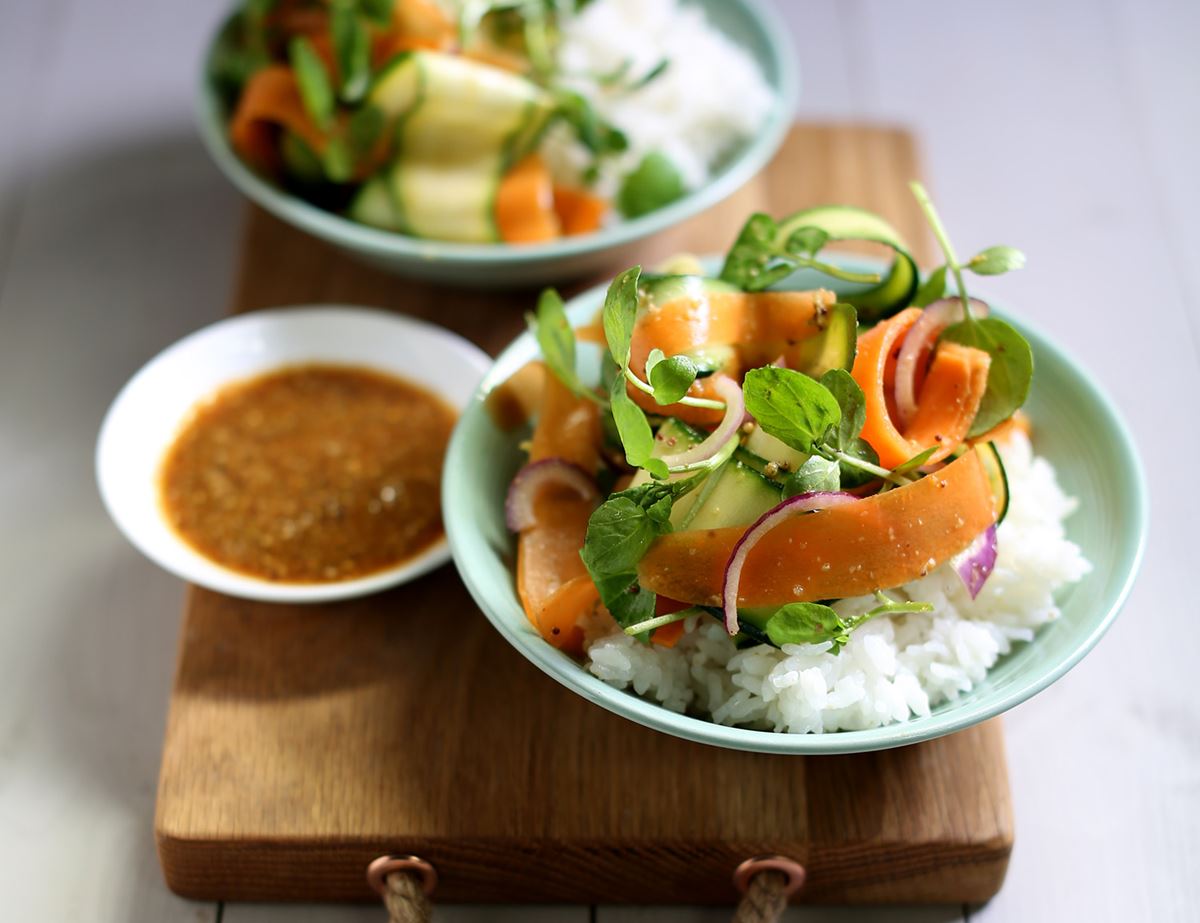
(479, 122)
(762, 507)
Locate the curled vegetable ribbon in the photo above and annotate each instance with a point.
(948, 401)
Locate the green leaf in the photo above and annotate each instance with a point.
(995, 261)
(1010, 373)
(657, 468)
(620, 313)
(619, 533)
(631, 606)
(807, 241)
(655, 182)
(352, 48)
(671, 378)
(932, 289)
(231, 66)
(316, 92)
(844, 437)
(855, 475)
(556, 339)
(651, 75)
(378, 10)
(915, 462)
(752, 263)
(339, 163)
(807, 623)
(816, 474)
(851, 402)
(616, 75)
(812, 623)
(632, 426)
(599, 137)
(790, 406)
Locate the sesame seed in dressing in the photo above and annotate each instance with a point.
(310, 474)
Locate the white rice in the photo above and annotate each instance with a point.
(892, 669)
(711, 96)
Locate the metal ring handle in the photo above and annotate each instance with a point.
(379, 869)
(793, 870)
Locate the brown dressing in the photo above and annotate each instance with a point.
(310, 474)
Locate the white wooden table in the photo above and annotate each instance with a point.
(1070, 129)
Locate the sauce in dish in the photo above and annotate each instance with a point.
(310, 474)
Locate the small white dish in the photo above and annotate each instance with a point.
(146, 416)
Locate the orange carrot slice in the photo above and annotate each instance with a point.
(877, 351)
(515, 401)
(579, 212)
(760, 325)
(949, 399)
(525, 204)
(423, 22)
(575, 604)
(946, 405)
(548, 551)
(668, 635)
(849, 550)
(271, 98)
(568, 427)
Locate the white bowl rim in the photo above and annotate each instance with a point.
(187, 563)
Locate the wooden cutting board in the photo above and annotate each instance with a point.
(304, 741)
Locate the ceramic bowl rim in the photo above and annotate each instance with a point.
(755, 153)
(182, 560)
(953, 718)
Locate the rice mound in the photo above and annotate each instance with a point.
(892, 668)
(711, 96)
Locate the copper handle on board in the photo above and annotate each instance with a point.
(766, 883)
(405, 884)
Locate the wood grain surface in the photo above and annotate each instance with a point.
(303, 741)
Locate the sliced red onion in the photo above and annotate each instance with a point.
(974, 563)
(730, 392)
(802, 503)
(518, 505)
(918, 345)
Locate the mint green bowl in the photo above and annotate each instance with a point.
(749, 23)
(1078, 430)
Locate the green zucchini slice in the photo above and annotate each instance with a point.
(459, 126)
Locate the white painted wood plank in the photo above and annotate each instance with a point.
(27, 56)
(804, 914)
(1155, 53)
(374, 913)
(90, 627)
(1031, 140)
(827, 79)
(123, 245)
